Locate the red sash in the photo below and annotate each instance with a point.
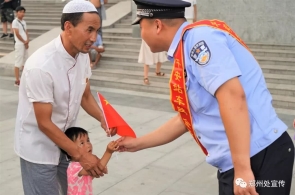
(178, 95)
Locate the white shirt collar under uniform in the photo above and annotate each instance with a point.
(53, 76)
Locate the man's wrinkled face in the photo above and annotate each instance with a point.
(150, 30)
(84, 34)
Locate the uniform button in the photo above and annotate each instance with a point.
(220, 169)
(199, 137)
(289, 150)
(275, 130)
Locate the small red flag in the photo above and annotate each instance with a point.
(113, 119)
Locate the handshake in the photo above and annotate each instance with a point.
(96, 167)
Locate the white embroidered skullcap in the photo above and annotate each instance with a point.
(79, 6)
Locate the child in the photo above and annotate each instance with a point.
(79, 181)
(148, 59)
(21, 38)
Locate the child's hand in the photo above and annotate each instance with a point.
(112, 147)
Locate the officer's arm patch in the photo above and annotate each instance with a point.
(200, 53)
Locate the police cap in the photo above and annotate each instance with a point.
(160, 9)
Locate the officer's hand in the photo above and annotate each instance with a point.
(244, 183)
(128, 144)
(92, 165)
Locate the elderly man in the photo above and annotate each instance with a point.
(54, 86)
(219, 91)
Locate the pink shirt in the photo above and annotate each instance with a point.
(78, 185)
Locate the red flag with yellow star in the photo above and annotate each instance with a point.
(113, 119)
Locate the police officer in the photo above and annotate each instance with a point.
(223, 101)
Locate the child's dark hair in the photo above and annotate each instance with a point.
(20, 8)
(73, 133)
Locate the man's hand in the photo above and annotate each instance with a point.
(89, 162)
(92, 165)
(127, 144)
(235, 117)
(27, 45)
(244, 183)
(111, 131)
(99, 50)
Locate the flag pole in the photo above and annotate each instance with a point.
(108, 129)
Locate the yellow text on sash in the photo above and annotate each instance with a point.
(178, 95)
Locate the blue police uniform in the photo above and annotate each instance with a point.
(211, 58)
(227, 59)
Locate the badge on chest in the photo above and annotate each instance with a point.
(201, 53)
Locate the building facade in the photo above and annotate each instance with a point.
(260, 21)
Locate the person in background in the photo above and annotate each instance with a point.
(191, 12)
(99, 4)
(21, 38)
(148, 58)
(7, 16)
(103, 12)
(95, 51)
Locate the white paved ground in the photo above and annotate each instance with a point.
(175, 169)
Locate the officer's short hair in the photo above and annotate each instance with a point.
(169, 22)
